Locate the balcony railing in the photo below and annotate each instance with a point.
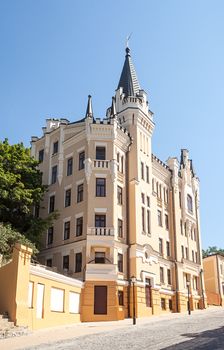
(103, 164)
(101, 231)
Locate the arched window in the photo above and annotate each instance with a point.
(189, 203)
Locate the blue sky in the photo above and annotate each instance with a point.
(54, 53)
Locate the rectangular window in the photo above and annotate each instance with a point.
(65, 262)
(161, 270)
(142, 171)
(168, 248)
(100, 220)
(143, 219)
(81, 160)
(148, 222)
(189, 203)
(100, 153)
(120, 228)
(79, 226)
(99, 258)
(51, 204)
(78, 262)
(159, 215)
(168, 276)
(163, 303)
(185, 229)
(50, 235)
(147, 174)
(100, 187)
(120, 262)
(180, 199)
(186, 253)
(182, 251)
(192, 255)
(120, 297)
(69, 166)
(49, 262)
(122, 164)
(161, 246)
(41, 156)
(74, 303)
(148, 201)
(181, 227)
(68, 198)
(55, 147)
(196, 257)
(119, 195)
(79, 193)
(54, 171)
(30, 294)
(167, 222)
(57, 300)
(66, 230)
(143, 198)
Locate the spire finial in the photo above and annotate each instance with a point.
(89, 110)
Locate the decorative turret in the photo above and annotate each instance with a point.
(89, 110)
(113, 108)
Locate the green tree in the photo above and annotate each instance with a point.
(8, 238)
(21, 191)
(212, 250)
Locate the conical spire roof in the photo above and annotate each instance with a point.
(89, 110)
(128, 79)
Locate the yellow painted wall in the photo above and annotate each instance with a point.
(14, 286)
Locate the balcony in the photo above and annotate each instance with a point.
(101, 272)
(101, 164)
(101, 231)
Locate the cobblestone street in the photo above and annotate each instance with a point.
(202, 330)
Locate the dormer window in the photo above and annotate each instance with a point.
(55, 147)
(189, 204)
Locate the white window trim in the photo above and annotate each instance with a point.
(80, 182)
(79, 215)
(100, 210)
(101, 175)
(79, 150)
(70, 155)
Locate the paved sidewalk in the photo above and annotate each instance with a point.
(49, 336)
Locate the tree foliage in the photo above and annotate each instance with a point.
(8, 238)
(21, 191)
(211, 251)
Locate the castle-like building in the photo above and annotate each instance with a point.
(124, 214)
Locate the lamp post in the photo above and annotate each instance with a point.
(133, 280)
(188, 294)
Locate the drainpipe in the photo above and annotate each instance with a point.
(127, 223)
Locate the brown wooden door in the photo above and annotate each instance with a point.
(148, 296)
(100, 300)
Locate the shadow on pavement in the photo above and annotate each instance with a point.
(207, 340)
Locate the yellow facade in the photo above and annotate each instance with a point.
(214, 279)
(128, 213)
(15, 279)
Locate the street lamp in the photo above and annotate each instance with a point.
(188, 294)
(133, 280)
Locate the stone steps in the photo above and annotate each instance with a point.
(8, 329)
